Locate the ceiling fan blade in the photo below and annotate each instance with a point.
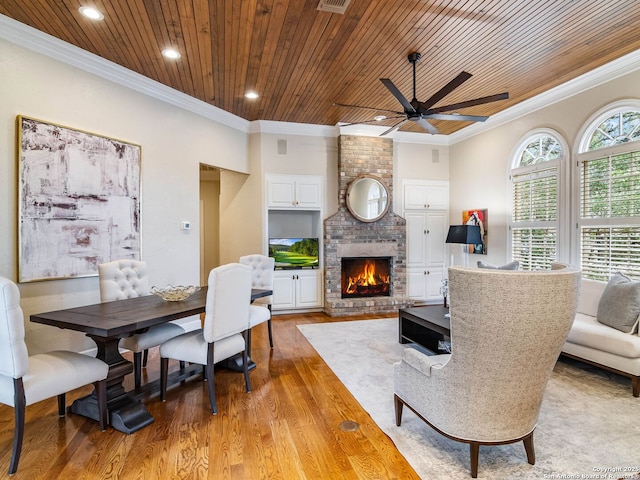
(455, 116)
(370, 121)
(468, 103)
(446, 90)
(427, 126)
(396, 93)
(366, 108)
(395, 127)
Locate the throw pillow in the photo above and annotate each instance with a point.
(619, 305)
(509, 266)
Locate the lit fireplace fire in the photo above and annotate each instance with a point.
(365, 278)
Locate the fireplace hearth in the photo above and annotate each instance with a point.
(365, 277)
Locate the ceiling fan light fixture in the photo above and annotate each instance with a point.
(251, 95)
(91, 13)
(171, 53)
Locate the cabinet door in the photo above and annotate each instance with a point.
(308, 193)
(426, 195)
(433, 284)
(415, 197)
(437, 196)
(416, 238)
(436, 227)
(281, 192)
(308, 289)
(416, 283)
(284, 295)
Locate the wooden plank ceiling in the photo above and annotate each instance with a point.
(301, 60)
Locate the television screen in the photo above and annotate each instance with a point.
(294, 252)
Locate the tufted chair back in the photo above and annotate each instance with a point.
(228, 301)
(14, 358)
(262, 267)
(122, 279)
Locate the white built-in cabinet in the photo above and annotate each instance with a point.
(294, 191)
(294, 210)
(426, 206)
(297, 289)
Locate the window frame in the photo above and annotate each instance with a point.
(563, 185)
(582, 154)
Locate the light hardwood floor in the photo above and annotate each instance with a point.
(287, 428)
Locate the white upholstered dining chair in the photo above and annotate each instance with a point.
(126, 278)
(25, 380)
(507, 329)
(262, 268)
(223, 335)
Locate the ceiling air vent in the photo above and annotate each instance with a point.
(333, 6)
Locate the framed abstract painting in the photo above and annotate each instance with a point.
(79, 201)
(477, 217)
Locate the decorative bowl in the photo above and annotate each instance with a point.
(175, 294)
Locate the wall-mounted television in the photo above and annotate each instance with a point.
(294, 252)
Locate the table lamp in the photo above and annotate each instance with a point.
(466, 235)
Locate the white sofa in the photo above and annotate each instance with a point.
(597, 344)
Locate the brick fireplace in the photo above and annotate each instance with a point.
(346, 237)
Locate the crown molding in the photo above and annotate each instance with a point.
(45, 44)
(289, 128)
(610, 71)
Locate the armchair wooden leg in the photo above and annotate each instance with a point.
(164, 372)
(528, 447)
(245, 369)
(398, 404)
(62, 400)
(101, 393)
(269, 326)
(635, 386)
(247, 340)
(145, 357)
(209, 376)
(474, 450)
(137, 368)
(20, 404)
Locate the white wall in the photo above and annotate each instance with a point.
(479, 166)
(174, 142)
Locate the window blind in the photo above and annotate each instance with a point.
(534, 232)
(610, 215)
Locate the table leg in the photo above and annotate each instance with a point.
(125, 413)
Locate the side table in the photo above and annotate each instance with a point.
(426, 326)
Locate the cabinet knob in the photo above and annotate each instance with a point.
(428, 232)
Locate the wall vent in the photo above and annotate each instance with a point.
(333, 6)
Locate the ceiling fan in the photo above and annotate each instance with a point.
(421, 112)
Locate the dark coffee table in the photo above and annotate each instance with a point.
(426, 326)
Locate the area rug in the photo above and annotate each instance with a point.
(589, 425)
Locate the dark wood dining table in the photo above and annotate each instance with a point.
(106, 323)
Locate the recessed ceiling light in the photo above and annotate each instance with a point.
(379, 118)
(171, 53)
(251, 95)
(92, 13)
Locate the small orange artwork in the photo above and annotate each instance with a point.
(477, 217)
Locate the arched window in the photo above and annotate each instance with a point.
(609, 193)
(536, 190)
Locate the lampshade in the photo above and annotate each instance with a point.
(469, 234)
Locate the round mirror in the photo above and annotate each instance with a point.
(367, 198)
